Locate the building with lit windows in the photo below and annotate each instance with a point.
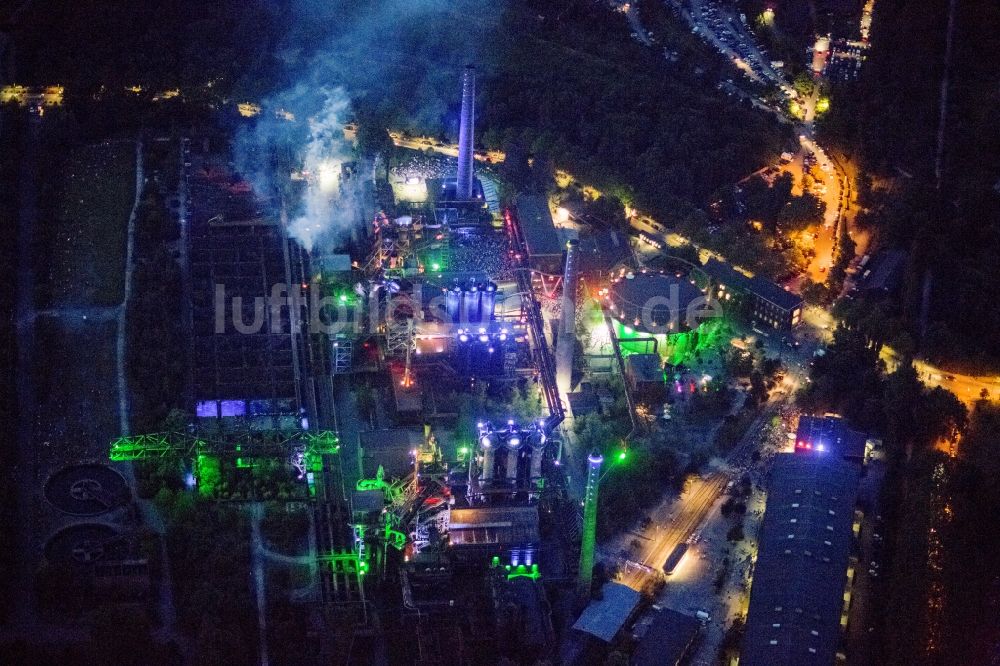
(765, 303)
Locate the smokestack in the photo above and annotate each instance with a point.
(567, 323)
(586, 573)
(466, 134)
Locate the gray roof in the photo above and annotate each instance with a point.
(605, 617)
(801, 570)
(721, 272)
(390, 449)
(536, 225)
(602, 250)
(885, 271)
(644, 367)
(649, 298)
(761, 287)
(774, 293)
(493, 526)
(826, 434)
(667, 639)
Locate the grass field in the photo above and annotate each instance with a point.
(93, 193)
(77, 389)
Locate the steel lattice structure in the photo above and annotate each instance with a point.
(272, 443)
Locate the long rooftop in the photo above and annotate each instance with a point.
(537, 226)
(801, 571)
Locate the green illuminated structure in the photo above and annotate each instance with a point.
(432, 257)
(391, 536)
(254, 444)
(674, 347)
(394, 538)
(519, 571)
(304, 449)
(523, 571)
(345, 563)
(157, 445)
(392, 490)
(589, 539)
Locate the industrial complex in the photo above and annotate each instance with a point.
(499, 334)
(410, 391)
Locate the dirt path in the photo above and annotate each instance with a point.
(257, 556)
(120, 344)
(943, 109)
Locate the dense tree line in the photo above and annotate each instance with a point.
(774, 205)
(949, 222)
(208, 547)
(157, 362)
(919, 427)
(598, 104)
(551, 87)
(91, 45)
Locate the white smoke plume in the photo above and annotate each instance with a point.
(301, 131)
(323, 213)
(401, 58)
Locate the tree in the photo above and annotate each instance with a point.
(815, 293)
(542, 175)
(804, 84)
(515, 170)
(738, 362)
(845, 255)
(765, 202)
(847, 379)
(526, 404)
(801, 211)
(373, 138)
(758, 387)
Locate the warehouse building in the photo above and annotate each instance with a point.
(798, 603)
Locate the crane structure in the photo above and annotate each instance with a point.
(304, 450)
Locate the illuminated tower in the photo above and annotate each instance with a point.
(466, 134)
(567, 322)
(583, 581)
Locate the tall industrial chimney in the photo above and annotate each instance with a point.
(466, 134)
(586, 573)
(567, 323)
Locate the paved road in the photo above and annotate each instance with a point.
(967, 388)
(121, 339)
(693, 508)
(689, 513)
